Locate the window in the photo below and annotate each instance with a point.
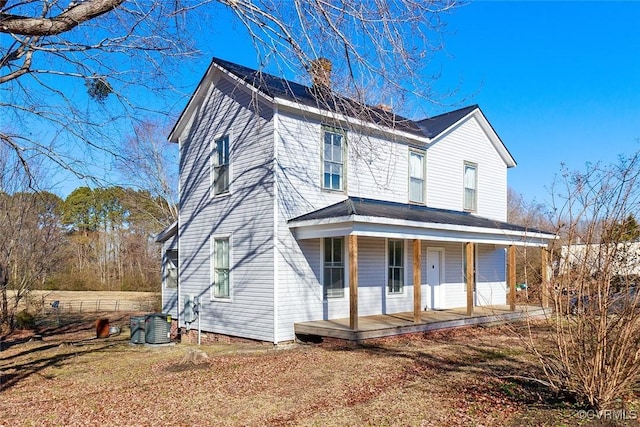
(333, 159)
(334, 267)
(171, 278)
(416, 177)
(221, 268)
(395, 281)
(470, 187)
(221, 165)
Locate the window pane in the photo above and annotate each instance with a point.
(469, 176)
(337, 250)
(221, 268)
(333, 267)
(416, 177)
(416, 165)
(416, 190)
(335, 182)
(327, 152)
(333, 154)
(337, 153)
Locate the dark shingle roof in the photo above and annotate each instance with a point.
(384, 209)
(433, 126)
(273, 86)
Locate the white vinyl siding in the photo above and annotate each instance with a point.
(229, 110)
(395, 261)
(221, 280)
(220, 169)
(445, 159)
(470, 187)
(416, 177)
(333, 267)
(333, 164)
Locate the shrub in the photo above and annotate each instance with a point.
(25, 320)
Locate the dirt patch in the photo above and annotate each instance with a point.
(456, 378)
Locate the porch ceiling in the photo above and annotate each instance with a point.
(374, 218)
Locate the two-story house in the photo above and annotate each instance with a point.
(295, 206)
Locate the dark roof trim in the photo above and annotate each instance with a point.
(393, 210)
(167, 233)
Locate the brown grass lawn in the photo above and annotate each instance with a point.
(467, 377)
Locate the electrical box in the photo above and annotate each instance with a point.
(189, 312)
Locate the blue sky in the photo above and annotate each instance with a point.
(559, 81)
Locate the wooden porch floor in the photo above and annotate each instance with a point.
(385, 325)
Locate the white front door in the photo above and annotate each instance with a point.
(434, 260)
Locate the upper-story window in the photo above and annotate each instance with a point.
(221, 165)
(470, 186)
(333, 155)
(416, 176)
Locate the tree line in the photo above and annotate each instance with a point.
(94, 239)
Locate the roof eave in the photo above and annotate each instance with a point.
(199, 96)
(347, 224)
(504, 153)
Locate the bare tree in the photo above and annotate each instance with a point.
(58, 55)
(595, 356)
(152, 166)
(30, 235)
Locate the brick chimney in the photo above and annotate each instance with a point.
(320, 71)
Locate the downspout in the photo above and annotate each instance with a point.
(276, 202)
(178, 230)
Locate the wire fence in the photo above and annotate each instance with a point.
(99, 305)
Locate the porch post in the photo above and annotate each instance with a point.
(417, 281)
(353, 281)
(469, 274)
(511, 278)
(544, 285)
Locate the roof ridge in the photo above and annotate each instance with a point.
(279, 87)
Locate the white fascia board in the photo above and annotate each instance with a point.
(200, 95)
(398, 228)
(352, 121)
(488, 130)
(167, 233)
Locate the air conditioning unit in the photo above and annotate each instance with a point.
(157, 328)
(136, 324)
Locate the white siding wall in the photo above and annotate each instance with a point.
(246, 214)
(491, 288)
(445, 163)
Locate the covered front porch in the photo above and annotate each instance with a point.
(385, 325)
(419, 228)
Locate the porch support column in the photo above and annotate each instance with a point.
(544, 285)
(511, 276)
(417, 281)
(469, 273)
(353, 281)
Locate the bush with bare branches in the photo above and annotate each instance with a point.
(596, 354)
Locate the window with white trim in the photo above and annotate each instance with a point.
(395, 261)
(220, 171)
(221, 279)
(333, 263)
(470, 186)
(333, 154)
(171, 266)
(416, 176)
